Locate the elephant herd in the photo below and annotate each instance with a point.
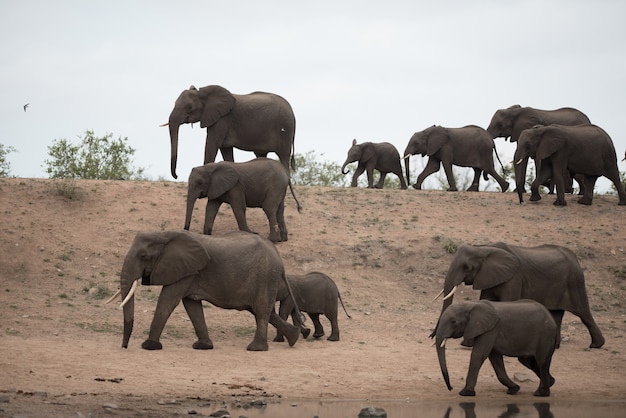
(524, 291)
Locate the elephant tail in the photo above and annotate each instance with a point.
(294, 197)
(343, 306)
(498, 158)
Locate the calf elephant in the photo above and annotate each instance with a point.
(469, 146)
(258, 122)
(584, 149)
(523, 329)
(233, 271)
(549, 274)
(380, 156)
(315, 293)
(512, 121)
(260, 183)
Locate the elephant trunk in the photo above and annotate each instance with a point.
(191, 200)
(174, 143)
(441, 355)
(407, 158)
(343, 170)
(520, 175)
(127, 278)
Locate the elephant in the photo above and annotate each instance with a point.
(259, 122)
(512, 121)
(523, 329)
(315, 293)
(469, 146)
(381, 156)
(238, 271)
(549, 274)
(259, 183)
(558, 149)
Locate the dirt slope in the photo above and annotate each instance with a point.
(386, 249)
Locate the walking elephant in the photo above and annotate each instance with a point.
(259, 183)
(234, 271)
(380, 156)
(259, 122)
(469, 146)
(523, 329)
(549, 274)
(512, 121)
(315, 293)
(583, 149)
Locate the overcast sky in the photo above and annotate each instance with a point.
(370, 70)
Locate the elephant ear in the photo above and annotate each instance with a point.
(552, 139)
(437, 138)
(217, 102)
(368, 152)
(482, 318)
(182, 256)
(498, 266)
(223, 178)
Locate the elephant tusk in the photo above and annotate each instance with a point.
(443, 343)
(405, 157)
(449, 295)
(519, 161)
(112, 298)
(438, 294)
(130, 293)
(164, 124)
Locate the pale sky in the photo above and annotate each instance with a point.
(370, 70)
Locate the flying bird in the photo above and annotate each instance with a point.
(25, 106)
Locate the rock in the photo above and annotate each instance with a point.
(372, 412)
(4, 398)
(522, 377)
(220, 413)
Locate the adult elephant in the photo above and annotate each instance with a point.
(549, 274)
(522, 329)
(586, 150)
(469, 146)
(234, 271)
(512, 121)
(380, 156)
(260, 183)
(258, 122)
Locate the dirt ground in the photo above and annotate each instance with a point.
(63, 244)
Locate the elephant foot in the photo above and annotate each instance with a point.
(584, 201)
(560, 203)
(279, 339)
(275, 238)
(292, 334)
(622, 203)
(543, 392)
(151, 345)
(472, 188)
(305, 332)
(535, 197)
(203, 345)
(467, 392)
(505, 187)
(513, 390)
(452, 189)
(597, 343)
(417, 186)
(552, 381)
(333, 338)
(257, 346)
(318, 334)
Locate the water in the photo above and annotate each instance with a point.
(438, 409)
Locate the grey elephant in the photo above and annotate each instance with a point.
(512, 121)
(558, 149)
(380, 156)
(469, 146)
(315, 293)
(549, 274)
(233, 271)
(259, 183)
(259, 122)
(523, 329)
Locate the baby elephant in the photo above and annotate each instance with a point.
(315, 294)
(524, 329)
(260, 183)
(381, 156)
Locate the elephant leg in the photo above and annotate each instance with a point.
(168, 300)
(210, 148)
(590, 184)
(238, 205)
(504, 185)
(398, 172)
(260, 154)
(381, 180)
(558, 318)
(297, 321)
(498, 366)
(355, 177)
(480, 351)
(559, 181)
(432, 166)
(259, 343)
(332, 317)
(597, 339)
(283, 312)
(271, 211)
(613, 175)
(447, 167)
(282, 225)
(290, 331)
(542, 371)
(370, 177)
(319, 329)
(476, 182)
(227, 154)
(196, 314)
(212, 207)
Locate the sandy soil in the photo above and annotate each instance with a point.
(387, 250)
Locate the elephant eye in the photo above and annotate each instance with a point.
(467, 267)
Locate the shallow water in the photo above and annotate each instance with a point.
(351, 409)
